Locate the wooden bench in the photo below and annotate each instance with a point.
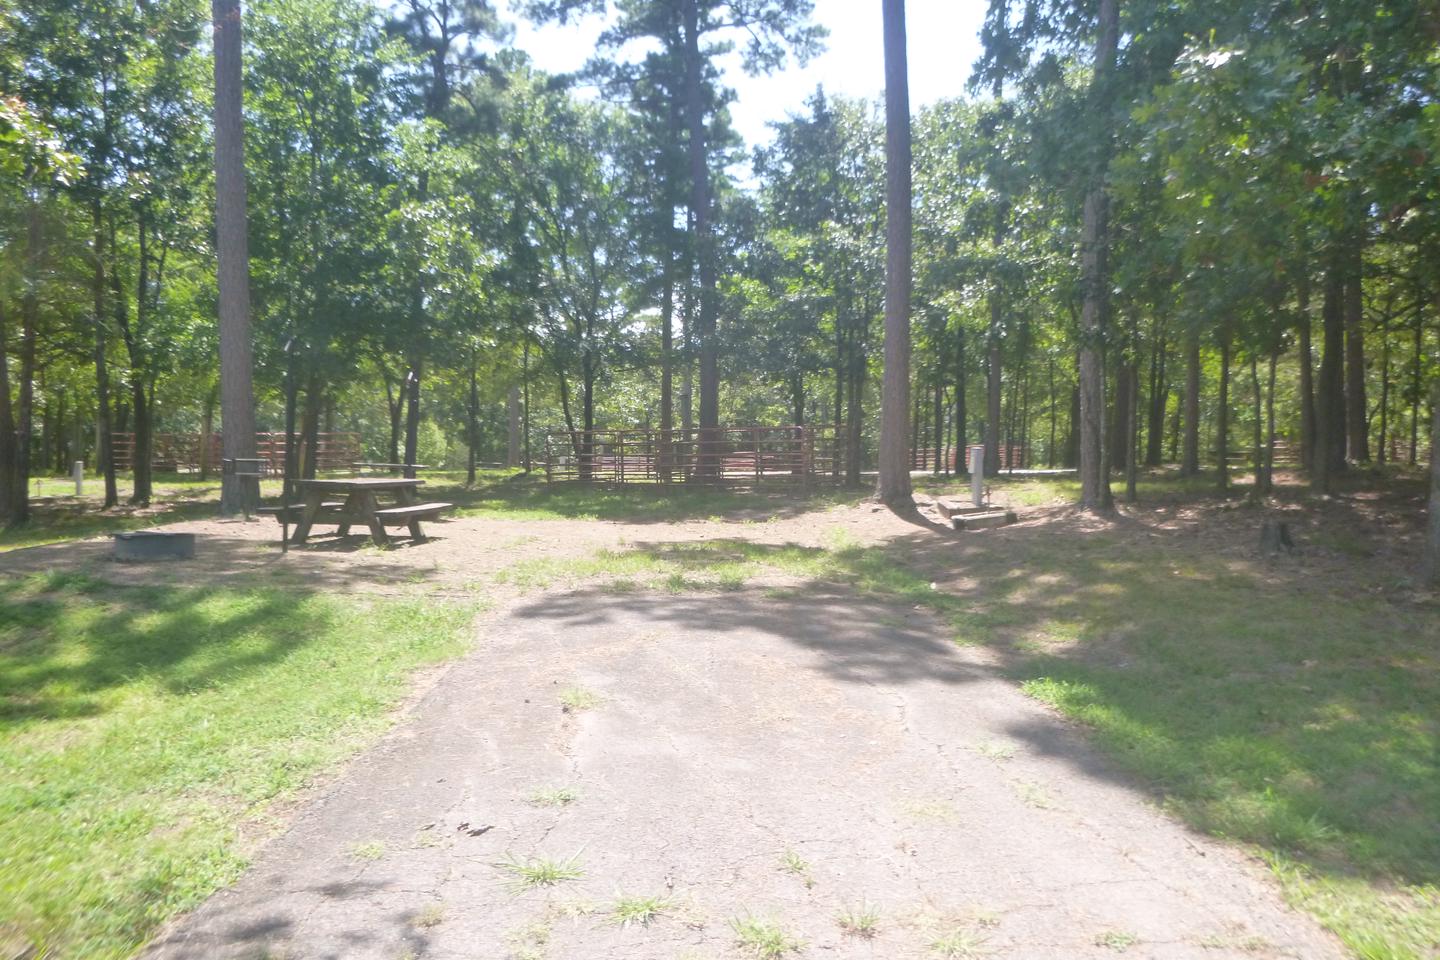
(411, 515)
(292, 513)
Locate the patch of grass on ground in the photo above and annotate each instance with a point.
(530, 872)
(763, 939)
(639, 911)
(142, 729)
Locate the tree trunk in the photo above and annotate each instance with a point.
(412, 416)
(104, 437)
(1190, 443)
(938, 412)
(855, 419)
(207, 427)
(25, 408)
(1125, 387)
(1307, 377)
(1257, 433)
(1072, 438)
(994, 386)
(1054, 412)
(140, 468)
(310, 429)
(961, 435)
(1357, 412)
(525, 399)
(1132, 435)
(1415, 384)
(1329, 456)
(667, 361)
(1270, 423)
(12, 489)
(237, 398)
(472, 412)
(1381, 454)
(704, 241)
(1222, 415)
(893, 488)
(1095, 493)
(1159, 399)
(513, 434)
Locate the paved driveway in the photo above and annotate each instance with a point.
(737, 757)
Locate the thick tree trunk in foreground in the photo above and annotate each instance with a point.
(1095, 493)
(893, 488)
(237, 396)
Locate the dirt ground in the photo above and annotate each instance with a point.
(708, 738)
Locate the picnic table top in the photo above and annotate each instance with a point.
(395, 466)
(361, 483)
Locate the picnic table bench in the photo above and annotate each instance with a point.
(361, 506)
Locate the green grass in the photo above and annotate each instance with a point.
(798, 867)
(145, 731)
(861, 921)
(530, 872)
(958, 945)
(763, 939)
(637, 911)
(553, 797)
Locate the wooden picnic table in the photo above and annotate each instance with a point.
(361, 506)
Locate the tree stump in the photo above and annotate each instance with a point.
(1275, 538)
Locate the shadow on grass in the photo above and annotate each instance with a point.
(530, 497)
(62, 657)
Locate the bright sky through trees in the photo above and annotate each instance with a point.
(943, 44)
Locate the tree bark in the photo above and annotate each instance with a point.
(1307, 377)
(1132, 435)
(1357, 413)
(105, 441)
(237, 397)
(11, 489)
(994, 384)
(704, 241)
(1329, 456)
(1095, 493)
(512, 451)
(1222, 415)
(893, 487)
(1159, 399)
(412, 416)
(1190, 442)
(1415, 384)
(29, 324)
(961, 436)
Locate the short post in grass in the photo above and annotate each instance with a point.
(78, 472)
(977, 474)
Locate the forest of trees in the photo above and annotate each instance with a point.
(1143, 233)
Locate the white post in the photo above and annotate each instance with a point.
(977, 475)
(78, 472)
